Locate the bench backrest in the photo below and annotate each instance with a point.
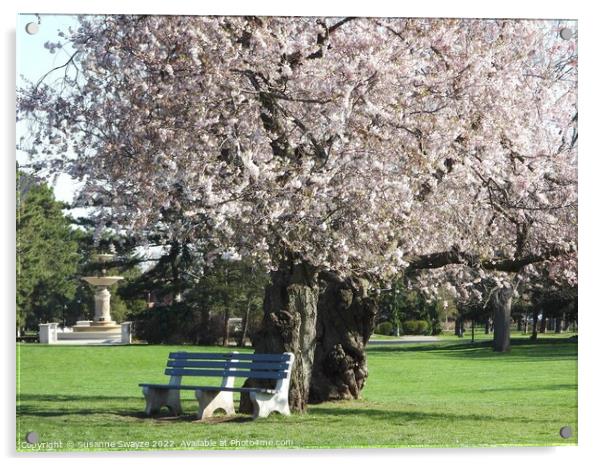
(230, 365)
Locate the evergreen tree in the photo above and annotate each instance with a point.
(47, 255)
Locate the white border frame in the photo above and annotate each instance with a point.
(590, 172)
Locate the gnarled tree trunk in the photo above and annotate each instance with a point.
(289, 325)
(502, 306)
(346, 318)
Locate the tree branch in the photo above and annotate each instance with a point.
(455, 256)
(321, 40)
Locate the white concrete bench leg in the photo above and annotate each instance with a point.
(158, 397)
(212, 400)
(266, 403)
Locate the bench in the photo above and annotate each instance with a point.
(226, 366)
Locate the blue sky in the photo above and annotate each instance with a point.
(33, 61)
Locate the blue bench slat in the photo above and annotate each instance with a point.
(275, 366)
(200, 387)
(226, 373)
(226, 356)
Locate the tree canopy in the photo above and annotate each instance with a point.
(359, 145)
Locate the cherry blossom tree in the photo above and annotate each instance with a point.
(339, 152)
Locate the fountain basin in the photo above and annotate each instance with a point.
(102, 281)
(97, 327)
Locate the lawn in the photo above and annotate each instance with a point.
(445, 394)
(516, 335)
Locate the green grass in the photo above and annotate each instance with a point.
(444, 394)
(480, 335)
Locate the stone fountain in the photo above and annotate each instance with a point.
(100, 331)
(102, 301)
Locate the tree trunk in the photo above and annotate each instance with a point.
(245, 324)
(226, 301)
(346, 318)
(176, 279)
(487, 326)
(289, 325)
(459, 327)
(566, 325)
(203, 337)
(542, 324)
(502, 306)
(558, 325)
(535, 317)
(226, 332)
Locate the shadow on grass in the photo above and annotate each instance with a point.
(73, 398)
(163, 417)
(236, 419)
(36, 408)
(390, 417)
(33, 405)
(538, 388)
(542, 348)
(404, 417)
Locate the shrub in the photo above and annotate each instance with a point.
(384, 328)
(416, 327)
(436, 327)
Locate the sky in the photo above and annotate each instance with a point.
(33, 61)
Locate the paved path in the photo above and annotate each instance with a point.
(404, 340)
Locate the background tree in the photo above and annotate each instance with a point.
(235, 288)
(553, 294)
(209, 297)
(401, 303)
(47, 255)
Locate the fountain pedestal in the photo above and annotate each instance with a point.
(102, 307)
